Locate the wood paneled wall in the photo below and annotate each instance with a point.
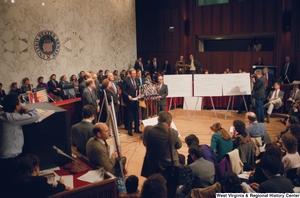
(248, 18)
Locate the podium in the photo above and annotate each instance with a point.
(40, 137)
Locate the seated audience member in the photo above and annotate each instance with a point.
(221, 142)
(83, 131)
(231, 183)
(41, 83)
(203, 170)
(275, 99)
(15, 90)
(97, 149)
(26, 87)
(271, 149)
(290, 120)
(294, 96)
(2, 92)
(240, 70)
(207, 151)
(290, 145)
(243, 142)
(131, 184)
(227, 71)
(74, 81)
(31, 184)
(206, 71)
(295, 131)
(154, 187)
(54, 86)
(276, 183)
(240, 135)
(63, 80)
(11, 137)
(256, 129)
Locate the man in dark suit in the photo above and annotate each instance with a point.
(258, 94)
(97, 149)
(139, 65)
(166, 68)
(276, 183)
(82, 85)
(89, 96)
(259, 61)
(156, 141)
(130, 88)
(115, 91)
(288, 71)
(53, 85)
(163, 93)
(194, 65)
(154, 67)
(269, 78)
(83, 131)
(275, 99)
(294, 96)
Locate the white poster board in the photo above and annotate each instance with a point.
(236, 84)
(179, 85)
(154, 121)
(208, 84)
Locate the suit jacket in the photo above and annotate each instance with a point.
(280, 94)
(163, 92)
(276, 184)
(296, 96)
(98, 154)
(52, 86)
(167, 68)
(128, 89)
(259, 89)
(37, 187)
(271, 80)
(82, 86)
(89, 98)
(156, 141)
(196, 64)
(290, 72)
(80, 134)
(152, 70)
(61, 83)
(137, 66)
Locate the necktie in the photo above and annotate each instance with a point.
(133, 83)
(286, 68)
(267, 81)
(106, 145)
(275, 94)
(154, 64)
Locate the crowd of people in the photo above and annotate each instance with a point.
(239, 148)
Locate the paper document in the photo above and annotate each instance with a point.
(244, 175)
(68, 179)
(153, 121)
(44, 113)
(93, 176)
(111, 150)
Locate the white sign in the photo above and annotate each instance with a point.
(179, 85)
(208, 84)
(236, 84)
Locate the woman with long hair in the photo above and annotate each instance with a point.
(221, 142)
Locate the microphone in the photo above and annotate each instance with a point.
(71, 94)
(74, 168)
(51, 98)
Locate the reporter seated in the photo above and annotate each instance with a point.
(275, 99)
(203, 170)
(31, 184)
(291, 160)
(231, 183)
(155, 186)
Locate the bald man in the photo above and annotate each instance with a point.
(97, 149)
(256, 129)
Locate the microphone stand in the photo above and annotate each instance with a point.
(51, 99)
(75, 166)
(70, 93)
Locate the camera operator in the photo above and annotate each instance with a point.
(258, 94)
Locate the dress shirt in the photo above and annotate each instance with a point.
(193, 68)
(11, 133)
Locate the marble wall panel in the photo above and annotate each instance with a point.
(94, 35)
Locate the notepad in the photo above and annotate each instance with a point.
(44, 113)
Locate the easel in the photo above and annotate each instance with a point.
(212, 102)
(113, 126)
(175, 101)
(232, 97)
